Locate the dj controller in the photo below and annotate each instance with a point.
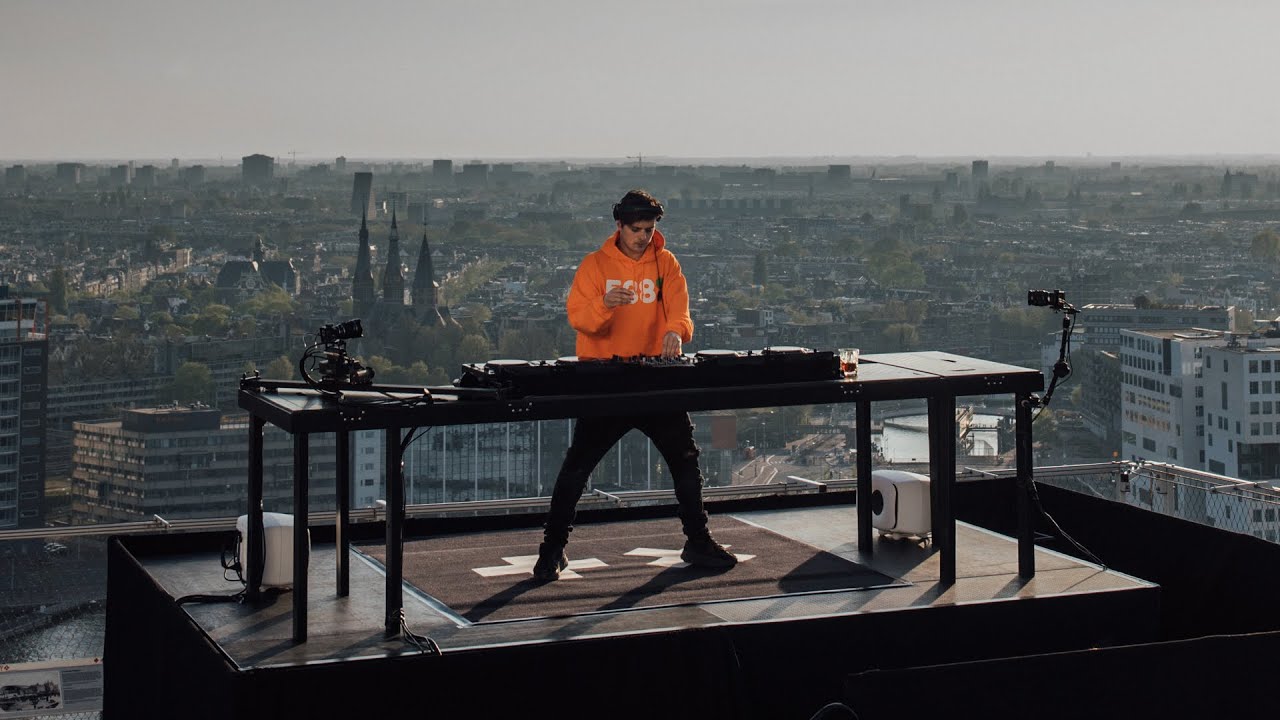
(704, 369)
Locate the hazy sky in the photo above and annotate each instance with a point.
(490, 79)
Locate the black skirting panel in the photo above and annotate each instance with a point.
(1177, 679)
(160, 664)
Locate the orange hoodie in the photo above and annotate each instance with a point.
(662, 301)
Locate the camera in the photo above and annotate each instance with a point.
(330, 334)
(328, 357)
(1056, 299)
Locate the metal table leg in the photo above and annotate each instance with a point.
(301, 541)
(395, 531)
(255, 554)
(863, 440)
(342, 486)
(1024, 452)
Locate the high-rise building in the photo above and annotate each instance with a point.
(362, 195)
(442, 170)
(24, 363)
(340, 164)
(257, 170)
(194, 175)
(980, 170)
(15, 175)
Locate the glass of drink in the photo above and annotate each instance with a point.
(849, 361)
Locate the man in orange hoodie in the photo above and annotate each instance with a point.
(629, 299)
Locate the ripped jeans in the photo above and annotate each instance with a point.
(672, 435)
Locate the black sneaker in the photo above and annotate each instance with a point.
(705, 552)
(551, 560)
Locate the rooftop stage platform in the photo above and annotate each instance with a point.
(779, 656)
(936, 628)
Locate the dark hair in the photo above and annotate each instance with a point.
(637, 205)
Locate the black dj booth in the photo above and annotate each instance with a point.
(509, 392)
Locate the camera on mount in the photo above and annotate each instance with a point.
(329, 358)
(1056, 299)
(348, 330)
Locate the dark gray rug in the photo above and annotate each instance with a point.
(616, 566)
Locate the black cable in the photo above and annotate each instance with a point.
(1033, 491)
(236, 598)
(410, 438)
(423, 643)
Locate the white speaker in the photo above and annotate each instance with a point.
(277, 539)
(900, 502)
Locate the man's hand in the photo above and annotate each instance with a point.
(619, 296)
(671, 344)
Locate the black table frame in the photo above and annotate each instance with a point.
(935, 376)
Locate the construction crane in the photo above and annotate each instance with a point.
(639, 162)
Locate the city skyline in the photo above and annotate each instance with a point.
(757, 79)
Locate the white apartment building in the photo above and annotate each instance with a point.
(1242, 408)
(1161, 395)
(1207, 401)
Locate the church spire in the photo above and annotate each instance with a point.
(362, 284)
(393, 275)
(425, 289)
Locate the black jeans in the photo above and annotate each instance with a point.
(671, 433)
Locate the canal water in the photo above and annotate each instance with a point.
(906, 439)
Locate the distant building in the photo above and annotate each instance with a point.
(442, 170)
(257, 170)
(1100, 327)
(145, 177)
(979, 171)
(839, 173)
(1100, 324)
(119, 175)
(185, 462)
(474, 175)
(68, 174)
(362, 195)
(340, 164)
(241, 279)
(15, 175)
(24, 369)
(194, 175)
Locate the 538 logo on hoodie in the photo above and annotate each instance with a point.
(647, 292)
